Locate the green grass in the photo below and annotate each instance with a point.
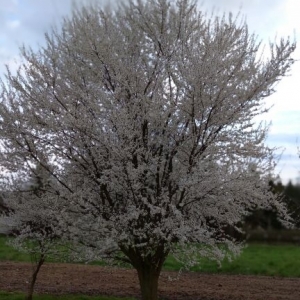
(256, 259)
(9, 253)
(20, 296)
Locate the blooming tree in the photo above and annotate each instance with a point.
(31, 217)
(146, 117)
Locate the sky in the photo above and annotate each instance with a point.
(24, 22)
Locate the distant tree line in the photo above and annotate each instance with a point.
(267, 219)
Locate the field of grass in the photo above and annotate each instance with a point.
(19, 296)
(257, 259)
(9, 253)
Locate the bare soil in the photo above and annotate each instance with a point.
(95, 280)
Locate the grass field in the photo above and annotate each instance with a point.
(19, 296)
(9, 253)
(256, 259)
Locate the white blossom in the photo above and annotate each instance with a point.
(146, 117)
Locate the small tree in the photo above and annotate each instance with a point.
(31, 218)
(146, 116)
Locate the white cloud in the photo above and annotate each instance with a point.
(289, 17)
(13, 24)
(8, 5)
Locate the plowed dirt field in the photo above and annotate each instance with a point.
(95, 280)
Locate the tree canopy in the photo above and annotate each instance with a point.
(143, 117)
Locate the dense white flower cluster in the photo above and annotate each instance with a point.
(145, 118)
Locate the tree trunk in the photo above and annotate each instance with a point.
(34, 277)
(148, 278)
(148, 268)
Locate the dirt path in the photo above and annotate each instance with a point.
(95, 280)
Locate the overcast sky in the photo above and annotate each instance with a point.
(26, 21)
